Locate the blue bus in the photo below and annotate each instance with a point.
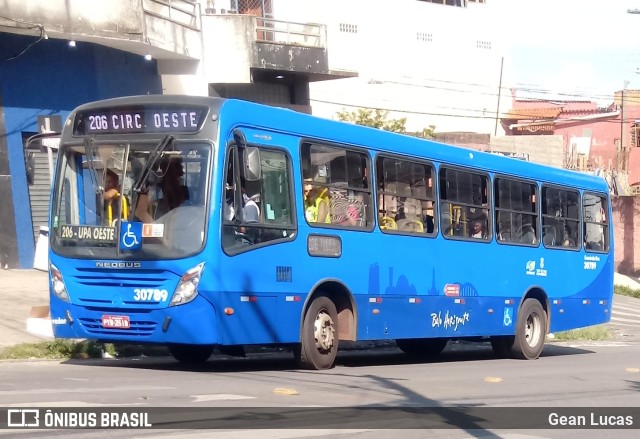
(202, 223)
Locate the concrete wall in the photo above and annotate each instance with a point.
(229, 42)
(120, 19)
(626, 216)
(51, 78)
(547, 150)
(434, 64)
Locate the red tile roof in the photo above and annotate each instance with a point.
(533, 113)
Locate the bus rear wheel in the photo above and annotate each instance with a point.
(319, 341)
(531, 330)
(191, 353)
(422, 347)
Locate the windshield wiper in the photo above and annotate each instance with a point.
(89, 149)
(153, 158)
(144, 173)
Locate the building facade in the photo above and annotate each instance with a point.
(57, 54)
(593, 138)
(438, 62)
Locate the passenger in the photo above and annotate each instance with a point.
(316, 205)
(250, 210)
(477, 227)
(173, 194)
(111, 195)
(528, 234)
(111, 186)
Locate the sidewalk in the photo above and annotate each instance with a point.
(20, 290)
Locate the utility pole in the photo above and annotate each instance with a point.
(495, 133)
(622, 162)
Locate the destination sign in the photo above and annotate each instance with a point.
(175, 119)
(88, 233)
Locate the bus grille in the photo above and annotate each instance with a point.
(139, 328)
(94, 277)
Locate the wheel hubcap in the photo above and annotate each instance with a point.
(532, 332)
(323, 331)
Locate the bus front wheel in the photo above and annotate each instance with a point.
(191, 353)
(319, 337)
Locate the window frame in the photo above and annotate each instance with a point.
(368, 208)
(536, 213)
(606, 225)
(434, 199)
(293, 227)
(488, 207)
(579, 220)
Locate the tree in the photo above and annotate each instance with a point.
(378, 118)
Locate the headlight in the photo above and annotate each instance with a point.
(57, 284)
(187, 288)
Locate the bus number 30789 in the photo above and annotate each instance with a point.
(150, 294)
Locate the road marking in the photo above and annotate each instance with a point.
(50, 404)
(628, 325)
(284, 391)
(632, 369)
(84, 390)
(493, 380)
(263, 434)
(220, 397)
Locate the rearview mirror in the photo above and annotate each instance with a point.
(251, 164)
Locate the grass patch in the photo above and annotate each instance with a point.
(57, 349)
(626, 291)
(599, 332)
(68, 349)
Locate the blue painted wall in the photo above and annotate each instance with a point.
(52, 78)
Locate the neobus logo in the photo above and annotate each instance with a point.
(107, 264)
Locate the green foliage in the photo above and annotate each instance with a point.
(598, 332)
(378, 118)
(66, 349)
(626, 291)
(375, 118)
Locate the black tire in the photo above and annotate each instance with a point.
(422, 347)
(319, 336)
(531, 330)
(502, 345)
(192, 354)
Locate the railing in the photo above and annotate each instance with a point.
(183, 12)
(286, 32)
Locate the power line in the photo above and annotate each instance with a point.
(31, 25)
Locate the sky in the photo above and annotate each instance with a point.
(572, 49)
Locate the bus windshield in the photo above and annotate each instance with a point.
(102, 184)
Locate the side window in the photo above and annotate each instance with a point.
(516, 212)
(596, 224)
(464, 204)
(560, 218)
(336, 186)
(406, 199)
(256, 211)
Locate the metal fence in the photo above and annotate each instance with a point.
(259, 8)
(287, 32)
(182, 12)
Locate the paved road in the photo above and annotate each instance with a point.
(20, 290)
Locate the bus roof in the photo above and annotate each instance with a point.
(304, 125)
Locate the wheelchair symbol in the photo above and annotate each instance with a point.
(129, 239)
(508, 320)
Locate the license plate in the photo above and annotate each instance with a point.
(118, 322)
